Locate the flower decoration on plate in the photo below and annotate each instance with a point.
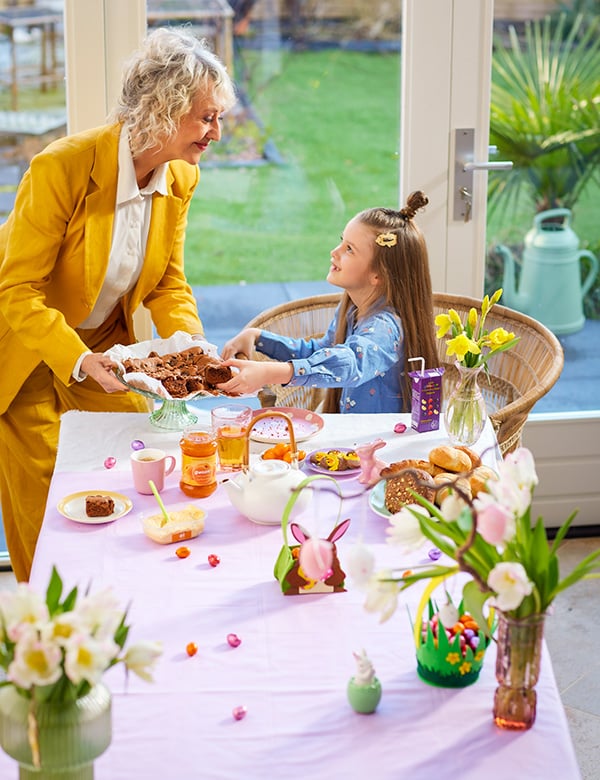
(56, 649)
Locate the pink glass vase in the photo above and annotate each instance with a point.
(518, 657)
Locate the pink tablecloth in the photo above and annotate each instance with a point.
(295, 659)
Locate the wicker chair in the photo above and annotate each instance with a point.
(518, 377)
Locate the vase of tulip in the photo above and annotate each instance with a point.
(512, 565)
(55, 712)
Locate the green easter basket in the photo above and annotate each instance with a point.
(287, 570)
(441, 661)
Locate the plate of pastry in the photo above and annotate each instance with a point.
(334, 461)
(94, 507)
(304, 422)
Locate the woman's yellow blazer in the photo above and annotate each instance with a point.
(54, 251)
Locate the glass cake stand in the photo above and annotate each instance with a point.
(173, 413)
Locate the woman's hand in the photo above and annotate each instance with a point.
(100, 368)
(242, 344)
(251, 375)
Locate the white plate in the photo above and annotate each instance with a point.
(377, 500)
(73, 506)
(304, 422)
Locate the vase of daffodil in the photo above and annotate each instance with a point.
(513, 569)
(55, 712)
(472, 346)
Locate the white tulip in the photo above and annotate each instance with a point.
(142, 657)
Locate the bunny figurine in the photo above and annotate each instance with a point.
(364, 689)
(370, 465)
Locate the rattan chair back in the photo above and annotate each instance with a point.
(517, 379)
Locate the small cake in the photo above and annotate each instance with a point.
(216, 374)
(99, 506)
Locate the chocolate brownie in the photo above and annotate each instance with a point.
(99, 506)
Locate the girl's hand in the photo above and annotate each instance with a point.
(242, 344)
(251, 375)
(100, 368)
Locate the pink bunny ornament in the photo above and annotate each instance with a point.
(370, 465)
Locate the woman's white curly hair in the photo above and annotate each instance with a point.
(160, 82)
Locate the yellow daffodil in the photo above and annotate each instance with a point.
(455, 318)
(460, 345)
(499, 336)
(469, 342)
(473, 319)
(443, 323)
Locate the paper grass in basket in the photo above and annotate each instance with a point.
(450, 644)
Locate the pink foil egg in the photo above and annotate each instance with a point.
(316, 557)
(233, 640)
(109, 463)
(399, 428)
(239, 712)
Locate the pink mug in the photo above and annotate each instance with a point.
(150, 464)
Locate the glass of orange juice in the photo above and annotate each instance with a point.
(230, 423)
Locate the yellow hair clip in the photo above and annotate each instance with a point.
(387, 239)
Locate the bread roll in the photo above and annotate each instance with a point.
(479, 478)
(473, 456)
(450, 458)
(450, 479)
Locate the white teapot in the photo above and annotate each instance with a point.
(260, 492)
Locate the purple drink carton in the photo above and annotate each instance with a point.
(426, 403)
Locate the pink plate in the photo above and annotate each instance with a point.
(304, 422)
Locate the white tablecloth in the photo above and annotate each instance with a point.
(295, 659)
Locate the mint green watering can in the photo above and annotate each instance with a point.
(550, 289)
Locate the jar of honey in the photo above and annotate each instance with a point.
(198, 463)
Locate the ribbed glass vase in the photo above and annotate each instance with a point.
(465, 413)
(518, 657)
(69, 736)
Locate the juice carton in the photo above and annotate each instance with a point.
(426, 404)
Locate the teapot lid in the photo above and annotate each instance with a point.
(270, 468)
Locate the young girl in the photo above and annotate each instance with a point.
(385, 316)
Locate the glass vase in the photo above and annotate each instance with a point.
(69, 736)
(519, 651)
(465, 413)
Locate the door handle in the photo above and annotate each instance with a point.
(464, 166)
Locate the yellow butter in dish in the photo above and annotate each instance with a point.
(185, 523)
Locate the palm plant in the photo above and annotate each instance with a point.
(545, 113)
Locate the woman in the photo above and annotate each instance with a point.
(98, 228)
(385, 317)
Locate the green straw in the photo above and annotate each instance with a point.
(160, 503)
